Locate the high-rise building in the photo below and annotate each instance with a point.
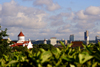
(86, 37)
(97, 39)
(71, 37)
(65, 42)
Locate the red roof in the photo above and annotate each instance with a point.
(77, 44)
(19, 44)
(25, 42)
(21, 34)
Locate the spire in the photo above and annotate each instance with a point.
(21, 34)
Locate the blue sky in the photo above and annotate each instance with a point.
(39, 19)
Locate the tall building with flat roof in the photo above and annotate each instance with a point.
(53, 41)
(65, 42)
(71, 38)
(86, 37)
(97, 39)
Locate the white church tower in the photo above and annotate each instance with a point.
(21, 38)
(45, 42)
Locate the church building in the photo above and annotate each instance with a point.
(21, 41)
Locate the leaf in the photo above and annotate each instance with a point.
(72, 65)
(58, 50)
(69, 45)
(45, 56)
(41, 49)
(12, 62)
(99, 43)
(83, 57)
(94, 65)
(68, 59)
(2, 62)
(5, 57)
(62, 44)
(49, 65)
(39, 65)
(88, 49)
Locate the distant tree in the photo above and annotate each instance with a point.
(46, 46)
(21, 48)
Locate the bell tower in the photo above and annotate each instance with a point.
(21, 37)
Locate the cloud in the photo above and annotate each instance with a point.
(69, 9)
(37, 23)
(14, 15)
(81, 15)
(64, 29)
(85, 19)
(49, 5)
(71, 16)
(58, 20)
(43, 2)
(53, 7)
(0, 7)
(26, 0)
(45, 31)
(93, 10)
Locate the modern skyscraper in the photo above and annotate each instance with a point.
(71, 37)
(97, 39)
(86, 37)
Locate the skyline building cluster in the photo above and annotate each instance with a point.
(53, 40)
(86, 37)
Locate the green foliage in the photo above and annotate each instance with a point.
(44, 46)
(4, 45)
(45, 55)
(21, 48)
(66, 57)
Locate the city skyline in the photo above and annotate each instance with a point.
(39, 19)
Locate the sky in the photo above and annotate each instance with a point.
(39, 19)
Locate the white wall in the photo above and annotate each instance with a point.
(53, 41)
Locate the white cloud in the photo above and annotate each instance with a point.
(27, 0)
(0, 7)
(92, 10)
(48, 4)
(67, 26)
(21, 15)
(81, 33)
(38, 24)
(64, 29)
(58, 20)
(45, 31)
(14, 15)
(71, 16)
(43, 2)
(85, 19)
(53, 7)
(98, 32)
(81, 15)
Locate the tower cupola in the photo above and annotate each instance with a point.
(21, 37)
